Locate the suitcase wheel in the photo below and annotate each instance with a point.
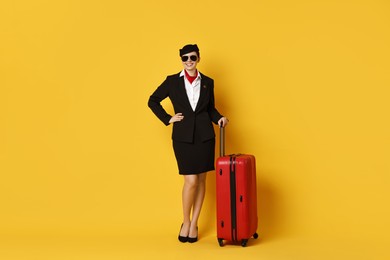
(255, 236)
(244, 242)
(220, 242)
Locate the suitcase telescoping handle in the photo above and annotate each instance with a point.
(221, 140)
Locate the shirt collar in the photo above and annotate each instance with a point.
(182, 74)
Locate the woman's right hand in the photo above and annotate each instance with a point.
(176, 118)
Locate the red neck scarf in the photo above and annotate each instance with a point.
(191, 78)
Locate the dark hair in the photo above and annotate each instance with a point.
(189, 48)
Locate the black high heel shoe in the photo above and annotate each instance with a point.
(193, 239)
(182, 239)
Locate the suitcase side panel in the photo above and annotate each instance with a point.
(246, 196)
(224, 221)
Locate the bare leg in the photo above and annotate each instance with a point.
(198, 202)
(188, 197)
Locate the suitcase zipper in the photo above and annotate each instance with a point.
(233, 205)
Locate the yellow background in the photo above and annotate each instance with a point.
(88, 172)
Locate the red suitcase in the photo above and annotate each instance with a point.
(236, 196)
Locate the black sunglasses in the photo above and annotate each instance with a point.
(192, 57)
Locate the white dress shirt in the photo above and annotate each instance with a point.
(192, 89)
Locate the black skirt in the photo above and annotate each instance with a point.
(196, 157)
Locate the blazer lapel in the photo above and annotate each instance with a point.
(203, 92)
(183, 92)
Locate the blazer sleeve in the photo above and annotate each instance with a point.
(155, 99)
(213, 112)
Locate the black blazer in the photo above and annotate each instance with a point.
(205, 112)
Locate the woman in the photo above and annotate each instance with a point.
(192, 97)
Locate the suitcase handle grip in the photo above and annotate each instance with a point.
(221, 140)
